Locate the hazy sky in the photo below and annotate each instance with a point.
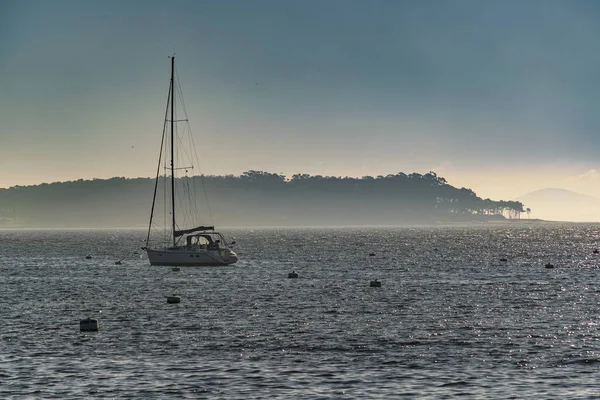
(498, 96)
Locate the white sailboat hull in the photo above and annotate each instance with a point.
(191, 257)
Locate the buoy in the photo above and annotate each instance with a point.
(371, 254)
(503, 259)
(549, 265)
(176, 269)
(292, 275)
(88, 325)
(596, 251)
(136, 253)
(173, 299)
(375, 283)
(118, 262)
(88, 257)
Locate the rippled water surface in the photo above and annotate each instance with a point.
(450, 319)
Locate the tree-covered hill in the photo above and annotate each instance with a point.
(256, 198)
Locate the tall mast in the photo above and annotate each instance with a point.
(172, 144)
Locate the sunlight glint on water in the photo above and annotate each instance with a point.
(449, 319)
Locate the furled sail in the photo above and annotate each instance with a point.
(197, 229)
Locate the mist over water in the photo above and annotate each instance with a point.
(450, 318)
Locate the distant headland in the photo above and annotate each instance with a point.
(257, 198)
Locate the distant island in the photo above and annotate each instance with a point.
(257, 198)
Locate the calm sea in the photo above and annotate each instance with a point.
(450, 319)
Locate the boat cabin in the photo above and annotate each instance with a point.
(205, 240)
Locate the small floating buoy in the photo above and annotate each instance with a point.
(375, 283)
(88, 325)
(173, 299)
(88, 257)
(371, 254)
(596, 251)
(504, 259)
(293, 275)
(118, 262)
(136, 253)
(176, 269)
(549, 265)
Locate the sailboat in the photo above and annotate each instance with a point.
(183, 241)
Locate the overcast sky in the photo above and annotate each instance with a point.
(498, 96)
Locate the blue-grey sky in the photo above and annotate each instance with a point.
(500, 96)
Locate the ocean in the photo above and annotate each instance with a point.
(451, 319)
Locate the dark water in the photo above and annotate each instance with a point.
(450, 320)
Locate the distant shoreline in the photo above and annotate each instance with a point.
(466, 224)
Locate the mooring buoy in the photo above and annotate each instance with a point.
(88, 257)
(375, 283)
(173, 299)
(89, 325)
(176, 269)
(549, 265)
(293, 275)
(118, 262)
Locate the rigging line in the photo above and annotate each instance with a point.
(210, 215)
(190, 197)
(162, 141)
(196, 213)
(181, 148)
(180, 92)
(173, 127)
(194, 156)
(180, 140)
(186, 118)
(166, 212)
(165, 235)
(195, 180)
(203, 184)
(178, 183)
(182, 101)
(181, 201)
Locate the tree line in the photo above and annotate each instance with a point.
(257, 198)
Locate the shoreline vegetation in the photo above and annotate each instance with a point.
(257, 198)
